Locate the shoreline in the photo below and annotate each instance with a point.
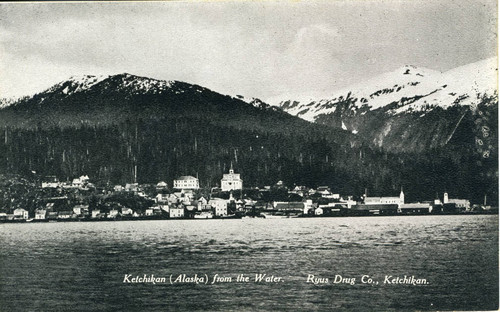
(161, 218)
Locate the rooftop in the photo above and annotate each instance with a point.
(187, 178)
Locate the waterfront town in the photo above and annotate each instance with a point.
(80, 200)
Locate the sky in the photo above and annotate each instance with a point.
(252, 48)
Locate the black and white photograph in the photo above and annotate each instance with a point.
(249, 155)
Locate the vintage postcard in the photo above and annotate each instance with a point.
(249, 156)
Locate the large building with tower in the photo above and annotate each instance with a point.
(459, 203)
(385, 200)
(231, 181)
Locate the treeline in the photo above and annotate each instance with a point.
(164, 149)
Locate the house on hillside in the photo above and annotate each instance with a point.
(300, 190)
(324, 191)
(132, 187)
(80, 182)
(50, 182)
(161, 198)
(161, 186)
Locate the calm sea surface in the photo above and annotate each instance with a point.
(81, 266)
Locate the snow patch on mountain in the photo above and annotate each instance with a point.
(460, 86)
(255, 102)
(407, 88)
(77, 84)
(375, 93)
(4, 102)
(142, 85)
(126, 82)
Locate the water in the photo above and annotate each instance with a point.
(81, 266)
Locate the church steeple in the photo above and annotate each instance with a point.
(231, 168)
(402, 195)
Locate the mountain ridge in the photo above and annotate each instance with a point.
(405, 82)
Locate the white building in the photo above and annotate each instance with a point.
(164, 207)
(80, 209)
(50, 182)
(40, 214)
(161, 198)
(308, 205)
(162, 185)
(220, 206)
(81, 181)
(385, 200)
(113, 214)
(127, 211)
(132, 187)
(21, 213)
(176, 212)
(118, 188)
(187, 183)
(415, 207)
(231, 181)
(459, 203)
(332, 196)
(202, 202)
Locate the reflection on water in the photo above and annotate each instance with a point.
(81, 266)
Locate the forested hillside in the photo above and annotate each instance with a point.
(106, 128)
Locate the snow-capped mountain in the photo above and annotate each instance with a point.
(407, 89)
(410, 109)
(124, 82)
(107, 99)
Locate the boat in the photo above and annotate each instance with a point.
(274, 215)
(232, 216)
(204, 215)
(279, 215)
